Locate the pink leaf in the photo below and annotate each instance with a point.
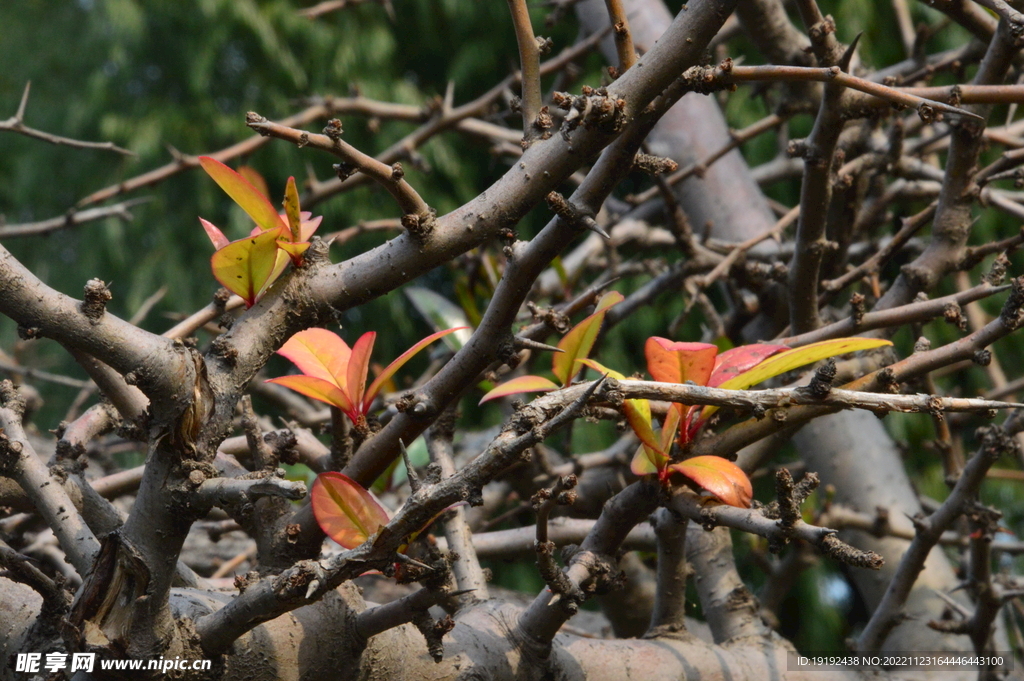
(216, 236)
(520, 384)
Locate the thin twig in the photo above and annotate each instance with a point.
(16, 124)
(71, 219)
(390, 177)
(529, 60)
(623, 37)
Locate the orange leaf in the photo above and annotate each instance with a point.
(359, 366)
(671, 362)
(291, 209)
(520, 384)
(668, 431)
(216, 236)
(578, 343)
(248, 266)
(393, 368)
(722, 478)
(345, 511)
(253, 177)
(321, 354)
(244, 194)
(318, 389)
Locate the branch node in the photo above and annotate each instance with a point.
(821, 382)
(97, 295)
(254, 119)
(333, 129)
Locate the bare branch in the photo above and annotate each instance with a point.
(996, 442)
(16, 124)
(390, 177)
(71, 219)
(19, 460)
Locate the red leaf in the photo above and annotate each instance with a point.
(393, 368)
(359, 367)
(672, 362)
(345, 511)
(520, 384)
(578, 343)
(722, 478)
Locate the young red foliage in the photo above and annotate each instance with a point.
(345, 511)
(334, 373)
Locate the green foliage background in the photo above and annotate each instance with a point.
(159, 74)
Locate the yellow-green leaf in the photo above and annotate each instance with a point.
(798, 357)
(644, 463)
(578, 343)
(291, 209)
(793, 359)
(253, 177)
(248, 266)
